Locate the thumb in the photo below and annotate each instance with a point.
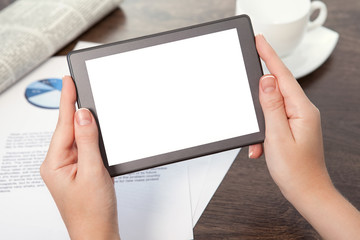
(273, 106)
(87, 141)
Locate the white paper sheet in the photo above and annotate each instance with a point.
(155, 209)
(219, 166)
(28, 212)
(198, 170)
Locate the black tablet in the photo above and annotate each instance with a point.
(172, 96)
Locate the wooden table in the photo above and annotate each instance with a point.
(248, 205)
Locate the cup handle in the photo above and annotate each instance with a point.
(319, 21)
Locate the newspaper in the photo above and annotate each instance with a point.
(33, 30)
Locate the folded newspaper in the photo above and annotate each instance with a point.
(31, 31)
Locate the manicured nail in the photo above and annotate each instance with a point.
(83, 117)
(268, 83)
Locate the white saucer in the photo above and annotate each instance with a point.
(313, 51)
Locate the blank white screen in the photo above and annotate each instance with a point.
(172, 96)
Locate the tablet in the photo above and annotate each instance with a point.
(172, 96)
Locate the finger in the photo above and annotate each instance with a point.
(255, 151)
(87, 141)
(63, 136)
(273, 106)
(64, 132)
(289, 87)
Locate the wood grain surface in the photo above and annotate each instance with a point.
(248, 205)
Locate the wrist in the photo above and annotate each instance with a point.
(305, 193)
(327, 211)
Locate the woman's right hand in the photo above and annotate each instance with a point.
(293, 144)
(294, 153)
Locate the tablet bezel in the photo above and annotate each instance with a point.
(78, 70)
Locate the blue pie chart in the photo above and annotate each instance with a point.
(44, 93)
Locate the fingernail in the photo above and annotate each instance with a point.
(83, 117)
(260, 35)
(268, 83)
(250, 154)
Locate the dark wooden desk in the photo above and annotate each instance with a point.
(248, 205)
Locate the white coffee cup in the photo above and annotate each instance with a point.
(283, 22)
